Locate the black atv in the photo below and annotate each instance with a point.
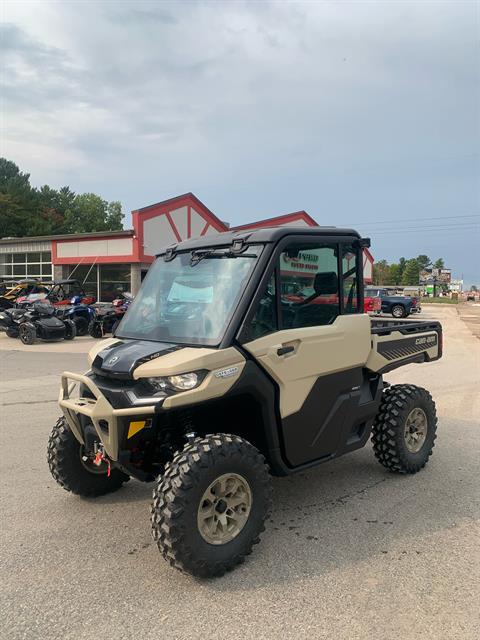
(37, 321)
(107, 317)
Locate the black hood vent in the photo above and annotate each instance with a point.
(119, 360)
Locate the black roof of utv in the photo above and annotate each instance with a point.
(256, 236)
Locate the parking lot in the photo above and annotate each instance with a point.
(350, 551)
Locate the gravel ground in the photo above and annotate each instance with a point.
(351, 551)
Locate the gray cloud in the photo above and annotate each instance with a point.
(350, 110)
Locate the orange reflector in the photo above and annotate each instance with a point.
(135, 427)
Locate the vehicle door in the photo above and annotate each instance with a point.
(315, 348)
(385, 301)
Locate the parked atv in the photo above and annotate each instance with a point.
(211, 383)
(81, 314)
(37, 321)
(14, 291)
(107, 317)
(63, 291)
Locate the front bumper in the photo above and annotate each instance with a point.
(104, 417)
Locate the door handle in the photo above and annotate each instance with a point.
(284, 350)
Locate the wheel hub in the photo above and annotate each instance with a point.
(224, 508)
(416, 427)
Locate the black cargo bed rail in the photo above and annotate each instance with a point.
(384, 327)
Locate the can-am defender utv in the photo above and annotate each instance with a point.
(214, 379)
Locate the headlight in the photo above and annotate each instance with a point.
(184, 381)
(181, 382)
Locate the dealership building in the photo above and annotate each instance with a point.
(110, 261)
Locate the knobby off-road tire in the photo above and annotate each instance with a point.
(95, 329)
(70, 330)
(180, 494)
(64, 456)
(82, 325)
(398, 444)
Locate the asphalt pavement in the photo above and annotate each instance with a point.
(351, 551)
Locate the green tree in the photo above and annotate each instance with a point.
(18, 202)
(439, 264)
(53, 206)
(381, 272)
(27, 211)
(114, 216)
(89, 212)
(395, 274)
(423, 262)
(401, 266)
(411, 273)
(473, 288)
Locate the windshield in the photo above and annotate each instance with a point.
(189, 299)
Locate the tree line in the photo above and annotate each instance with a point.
(31, 211)
(404, 272)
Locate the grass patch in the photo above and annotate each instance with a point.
(439, 301)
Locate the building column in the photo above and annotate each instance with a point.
(135, 277)
(58, 272)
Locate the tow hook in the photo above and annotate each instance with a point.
(99, 456)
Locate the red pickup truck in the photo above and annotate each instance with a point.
(371, 304)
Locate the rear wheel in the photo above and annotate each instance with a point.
(95, 329)
(210, 505)
(82, 325)
(74, 470)
(27, 334)
(404, 430)
(398, 311)
(12, 333)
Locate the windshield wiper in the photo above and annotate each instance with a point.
(200, 254)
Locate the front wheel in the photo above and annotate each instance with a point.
(404, 431)
(70, 330)
(398, 311)
(27, 334)
(210, 506)
(74, 470)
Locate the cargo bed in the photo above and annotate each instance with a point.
(399, 342)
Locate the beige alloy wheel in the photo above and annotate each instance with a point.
(416, 427)
(224, 508)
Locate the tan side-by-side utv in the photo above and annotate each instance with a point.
(244, 354)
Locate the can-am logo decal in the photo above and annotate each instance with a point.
(113, 360)
(426, 340)
(226, 373)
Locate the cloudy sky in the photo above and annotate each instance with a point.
(361, 113)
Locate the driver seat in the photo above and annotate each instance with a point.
(309, 313)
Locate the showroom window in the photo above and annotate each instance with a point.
(114, 279)
(26, 264)
(105, 282)
(86, 274)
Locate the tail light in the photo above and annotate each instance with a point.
(414, 300)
